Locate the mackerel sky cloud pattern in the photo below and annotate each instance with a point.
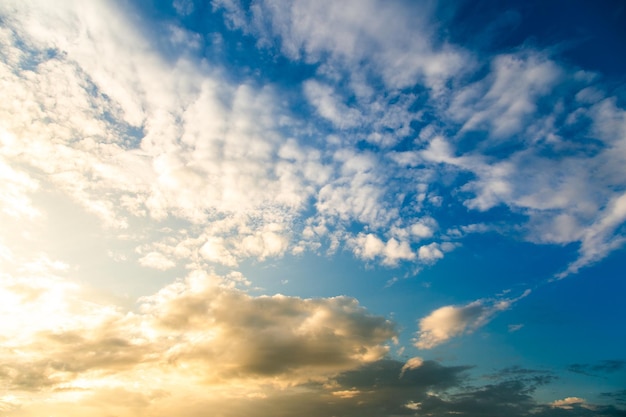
(312, 208)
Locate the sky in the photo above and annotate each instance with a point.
(312, 208)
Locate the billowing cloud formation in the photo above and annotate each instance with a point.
(201, 342)
(202, 330)
(451, 321)
(201, 322)
(243, 335)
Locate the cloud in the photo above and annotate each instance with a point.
(203, 343)
(203, 323)
(162, 117)
(122, 141)
(156, 260)
(266, 336)
(14, 195)
(164, 136)
(619, 397)
(412, 363)
(606, 366)
(430, 252)
(397, 42)
(447, 322)
(530, 161)
(183, 7)
(569, 403)
(508, 96)
(329, 107)
(193, 164)
(369, 246)
(599, 239)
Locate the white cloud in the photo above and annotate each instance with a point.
(394, 41)
(369, 246)
(423, 229)
(128, 121)
(208, 149)
(412, 405)
(599, 239)
(542, 178)
(156, 260)
(265, 244)
(430, 252)
(321, 96)
(358, 45)
(183, 7)
(569, 403)
(171, 139)
(508, 96)
(451, 321)
(15, 187)
(214, 250)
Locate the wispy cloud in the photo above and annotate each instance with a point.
(606, 366)
(451, 321)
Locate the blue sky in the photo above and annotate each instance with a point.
(280, 208)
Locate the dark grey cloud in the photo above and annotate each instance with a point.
(618, 397)
(380, 389)
(601, 367)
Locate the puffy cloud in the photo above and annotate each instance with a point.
(430, 252)
(447, 322)
(424, 228)
(123, 144)
(240, 335)
(568, 403)
(61, 339)
(163, 137)
(189, 165)
(369, 246)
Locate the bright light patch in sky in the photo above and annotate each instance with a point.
(286, 208)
